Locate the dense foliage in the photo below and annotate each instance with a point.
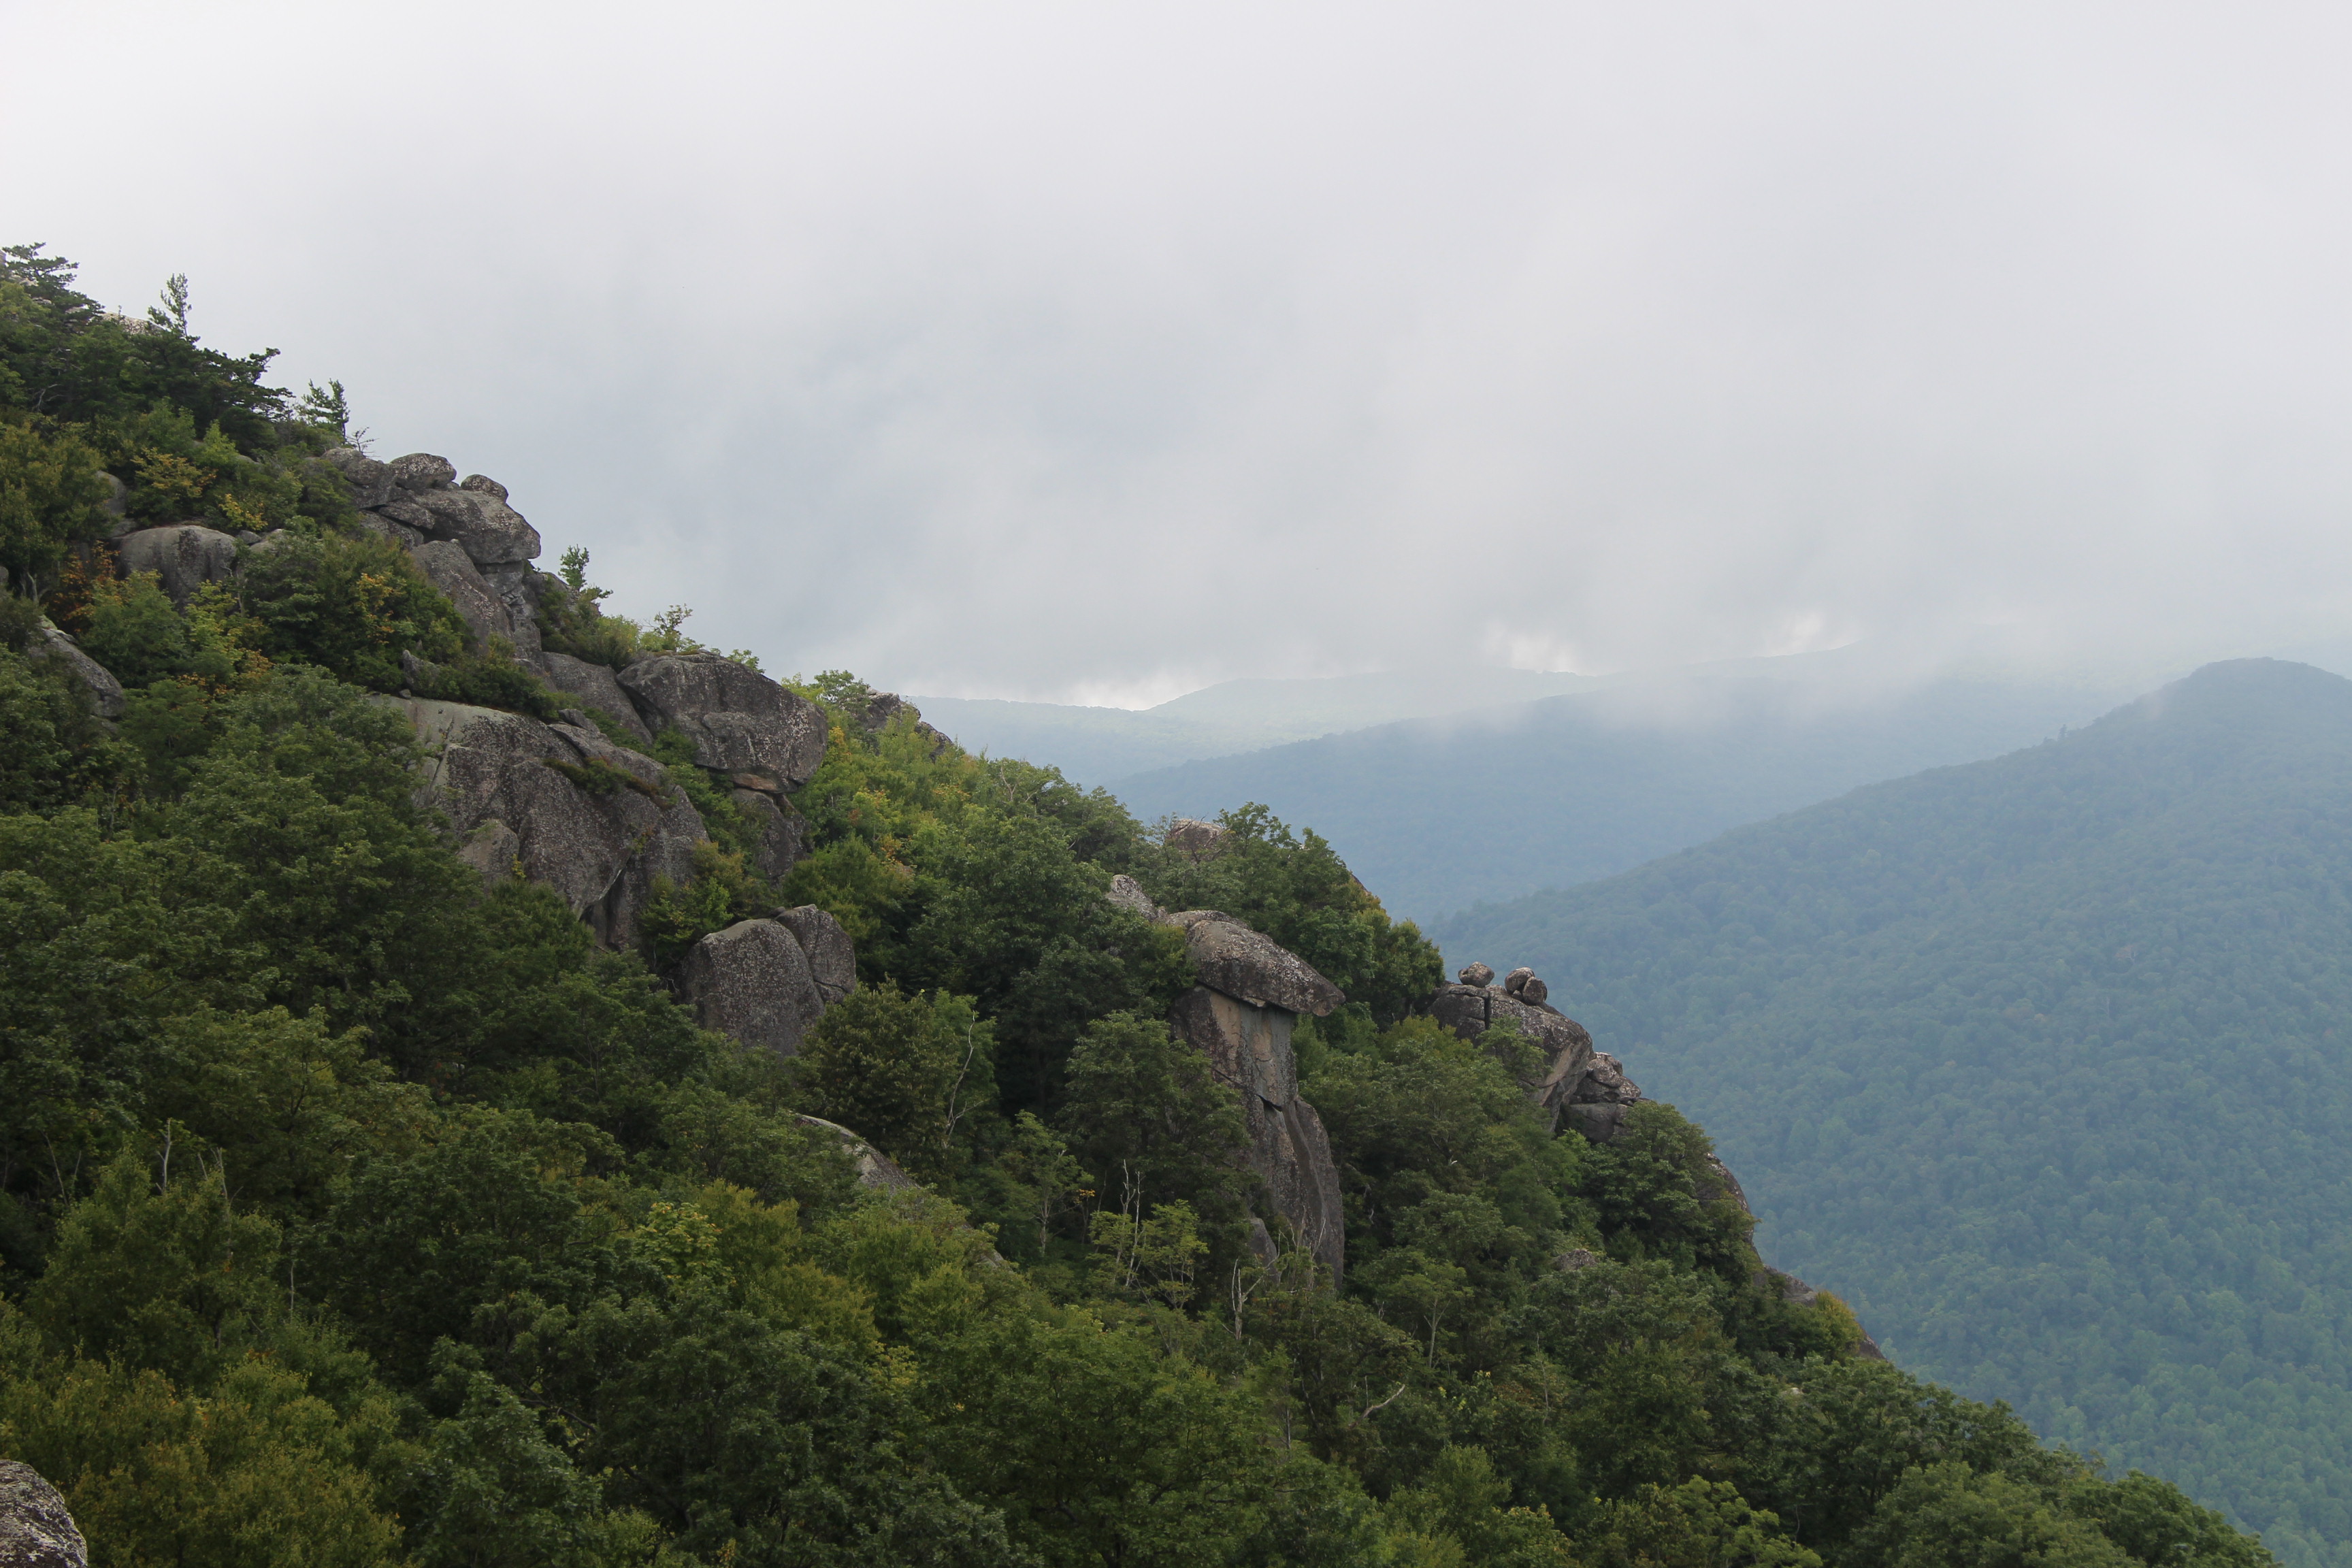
(353, 1211)
(2041, 1059)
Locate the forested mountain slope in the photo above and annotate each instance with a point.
(487, 1083)
(1482, 805)
(2045, 1060)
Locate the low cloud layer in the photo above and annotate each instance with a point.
(1102, 351)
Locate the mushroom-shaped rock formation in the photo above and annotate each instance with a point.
(560, 806)
(738, 720)
(1242, 962)
(1240, 1016)
(36, 1531)
(1471, 1010)
(765, 981)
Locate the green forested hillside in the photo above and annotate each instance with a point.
(2045, 1061)
(358, 1207)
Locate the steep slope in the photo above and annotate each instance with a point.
(2042, 1060)
(1441, 814)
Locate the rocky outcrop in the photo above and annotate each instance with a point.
(35, 1529)
(1197, 841)
(560, 806)
(783, 832)
(1598, 1106)
(885, 709)
(1797, 1293)
(370, 482)
(186, 556)
(1249, 1049)
(1232, 958)
(1566, 1047)
(592, 685)
(832, 963)
(1240, 1016)
(1128, 894)
(452, 571)
(105, 691)
(738, 720)
(764, 981)
(877, 1172)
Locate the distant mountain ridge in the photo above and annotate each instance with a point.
(1441, 814)
(2044, 1059)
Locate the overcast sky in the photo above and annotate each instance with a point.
(1101, 351)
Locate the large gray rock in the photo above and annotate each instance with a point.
(185, 556)
(738, 720)
(592, 685)
(452, 572)
(421, 472)
(484, 483)
(35, 1529)
(784, 834)
(833, 961)
(1599, 1104)
(590, 820)
(492, 532)
(1197, 841)
(1128, 894)
(370, 483)
(510, 581)
(1249, 1050)
(105, 691)
(877, 1172)
(755, 982)
(1566, 1047)
(1230, 957)
(885, 709)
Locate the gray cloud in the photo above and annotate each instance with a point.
(1102, 352)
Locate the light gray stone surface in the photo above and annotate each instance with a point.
(592, 685)
(1231, 957)
(370, 483)
(599, 850)
(1129, 894)
(1197, 841)
(452, 571)
(784, 834)
(486, 529)
(35, 1529)
(105, 691)
(420, 471)
(187, 556)
(832, 963)
(1566, 1047)
(738, 720)
(1249, 1051)
(753, 983)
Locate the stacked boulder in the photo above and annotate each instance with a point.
(1251, 993)
(1572, 1079)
